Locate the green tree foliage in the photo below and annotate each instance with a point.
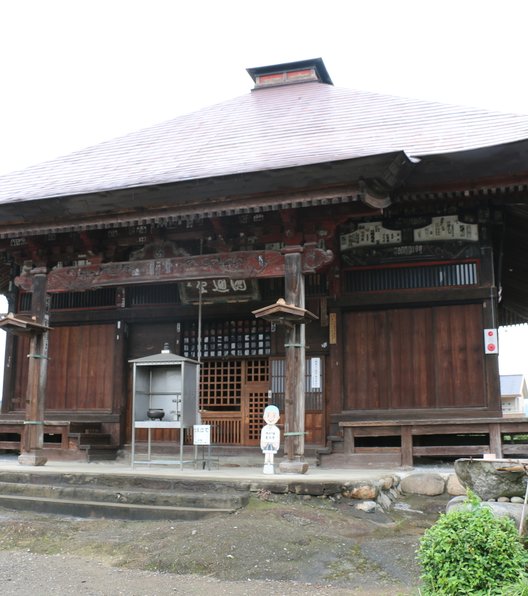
(470, 551)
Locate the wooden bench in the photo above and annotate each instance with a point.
(407, 430)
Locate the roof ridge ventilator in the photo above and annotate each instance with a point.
(290, 73)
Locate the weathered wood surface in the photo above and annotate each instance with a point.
(232, 265)
(82, 372)
(295, 363)
(407, 430)
(421, 358)
(33, 433)
(461, 424)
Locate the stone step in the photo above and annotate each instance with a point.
(101, 453)
(133, 480)
(230, 500)
(121, 496)
(107, 510)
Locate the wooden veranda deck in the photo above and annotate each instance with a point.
(408, 439)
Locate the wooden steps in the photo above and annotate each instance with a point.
(89, 441)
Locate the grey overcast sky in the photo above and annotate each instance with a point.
(77, 72)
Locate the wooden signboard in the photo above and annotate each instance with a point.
(220, 289)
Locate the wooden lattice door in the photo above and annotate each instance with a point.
(233, 395)
(255, 398)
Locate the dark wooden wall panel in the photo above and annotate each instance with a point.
(458, 353)
(80, 370)
(410, 371)
(414, 358)
(366, 357)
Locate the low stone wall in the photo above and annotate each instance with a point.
(369, 495)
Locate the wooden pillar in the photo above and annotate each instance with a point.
(31, 452)
(295, 369)
(6, 404)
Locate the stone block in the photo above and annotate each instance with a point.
(386, 483)
(367, 506)
(454, 487)
(423, 484)
(384, 501)
(491, 479)
(360, 491)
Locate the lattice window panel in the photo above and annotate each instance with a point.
(228, 338)
(257, 371)
(256, 402)
(221, 385)
(438, 275)
(101, 298)
(152, 294)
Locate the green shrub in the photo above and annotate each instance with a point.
(470, 551)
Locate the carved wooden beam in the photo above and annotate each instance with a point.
(233, 265)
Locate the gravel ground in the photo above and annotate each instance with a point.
(277, 545)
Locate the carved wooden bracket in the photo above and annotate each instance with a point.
(232, 265)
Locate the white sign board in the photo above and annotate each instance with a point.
(491, 345)
(202, 434)
(315, 370)
(369, 234)
(447, 228)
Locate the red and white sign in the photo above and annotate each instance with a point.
(491, 342)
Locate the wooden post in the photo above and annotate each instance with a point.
(349, 443)
(495, 439)
(31, 452)
(406, 445)
(295, 368)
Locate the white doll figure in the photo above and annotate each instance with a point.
(270, 438)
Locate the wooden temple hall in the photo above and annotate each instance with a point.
(395, 230)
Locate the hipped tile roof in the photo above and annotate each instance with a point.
(266, 129)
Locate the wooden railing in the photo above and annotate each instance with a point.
(226, 427)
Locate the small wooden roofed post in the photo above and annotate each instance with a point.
(31, 446)
(21, 325)
(291, 312)
(293, 317)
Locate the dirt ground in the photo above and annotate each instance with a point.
(276, 545)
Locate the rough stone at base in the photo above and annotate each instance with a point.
(367, 506)
(360, 490)
(428, 485)
(387, 483)
(293, 467)
(454, 487)
(33, 458)
(491, 479)
(384, 501)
